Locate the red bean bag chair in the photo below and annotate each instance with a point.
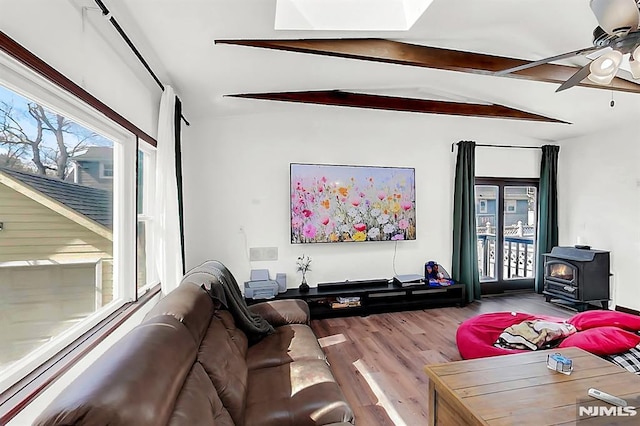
(475, 337)
(604, 340)
(592, 319)
(599, 332)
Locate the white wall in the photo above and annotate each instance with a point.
(599, 184)
(236, 175)
(509, 162)
(78, 42)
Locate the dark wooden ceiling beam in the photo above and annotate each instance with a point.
(392, 103)
(394, 52)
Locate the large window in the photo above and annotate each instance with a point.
(68, 238)
(506, 225)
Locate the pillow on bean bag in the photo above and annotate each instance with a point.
(602, 340)
(475, 337)
(590, 319)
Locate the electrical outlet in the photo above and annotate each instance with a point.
(263, 253)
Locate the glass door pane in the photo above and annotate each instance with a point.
(519, 232)
(487, 197)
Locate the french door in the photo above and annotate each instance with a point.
(506, 226)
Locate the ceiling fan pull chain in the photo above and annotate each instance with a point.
(613, 103)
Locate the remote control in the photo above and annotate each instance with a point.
(603, 396)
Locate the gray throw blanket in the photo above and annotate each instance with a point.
(214, 277)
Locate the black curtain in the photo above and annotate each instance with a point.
(464, 264)
(547, 209)
(178, 138)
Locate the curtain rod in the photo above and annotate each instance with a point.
(107, 15)
(500, 146)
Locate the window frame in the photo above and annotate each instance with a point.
(24, 81)
(147, 216)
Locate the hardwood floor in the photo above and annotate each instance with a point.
(378, 360)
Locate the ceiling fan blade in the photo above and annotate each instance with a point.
(575, 78)
(547, 60)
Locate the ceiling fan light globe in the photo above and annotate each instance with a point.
(634, 66)
(606, 64)
(616, 17)
(616, 56)
(604, 80)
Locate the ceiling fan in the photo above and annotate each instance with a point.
(616, 35)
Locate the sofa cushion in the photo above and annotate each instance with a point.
(190, 304)
(237, 336)
(283, 311)
(135, 382)
(226, 367)
(295, 394)
(289, 343)
(198, 402)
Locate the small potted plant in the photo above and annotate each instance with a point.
(304, 265)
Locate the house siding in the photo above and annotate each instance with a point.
(32, 231)
(40, 301)
(89, 175)
(107, 281)
(57, 296)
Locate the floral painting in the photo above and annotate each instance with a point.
(352, 203)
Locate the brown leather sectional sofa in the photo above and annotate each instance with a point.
(188, 364)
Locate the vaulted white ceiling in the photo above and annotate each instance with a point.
(177, 38)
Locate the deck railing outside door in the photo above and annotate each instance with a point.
(518, 256)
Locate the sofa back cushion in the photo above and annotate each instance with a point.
(237, 336)
(135, 382)
(222, 355)
(190, 304)
(198, 402)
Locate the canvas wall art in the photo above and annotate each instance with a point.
(336, 203)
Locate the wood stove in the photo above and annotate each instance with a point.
(577, 276)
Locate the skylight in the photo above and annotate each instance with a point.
(349, 15)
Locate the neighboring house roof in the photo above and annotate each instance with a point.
(95, 204)
(95, 153)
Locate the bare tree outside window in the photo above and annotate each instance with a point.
(39, 140)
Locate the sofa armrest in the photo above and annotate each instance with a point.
(284, 311)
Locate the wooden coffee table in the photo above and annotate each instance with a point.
(519, 389)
